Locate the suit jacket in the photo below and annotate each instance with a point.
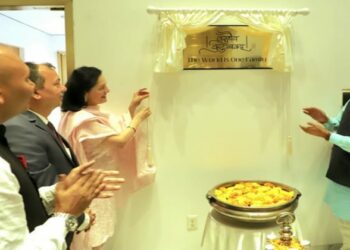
(34, 209)
(29, 137)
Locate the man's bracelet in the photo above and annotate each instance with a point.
(132, 128)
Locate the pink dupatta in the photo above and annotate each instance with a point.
(86, 130)
(91, 124)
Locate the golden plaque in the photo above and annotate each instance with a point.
(227, 47)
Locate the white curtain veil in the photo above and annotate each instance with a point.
(171, 27)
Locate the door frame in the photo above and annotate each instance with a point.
(68, 18)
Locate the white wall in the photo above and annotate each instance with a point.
(38, 46)
(58, 43)
(213, 126)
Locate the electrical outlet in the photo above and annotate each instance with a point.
(192, 222)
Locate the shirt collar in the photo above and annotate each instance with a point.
(42, 118)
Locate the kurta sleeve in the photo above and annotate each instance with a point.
(91, 135)
(14, 234)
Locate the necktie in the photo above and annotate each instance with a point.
(56, 134)
(64, 145)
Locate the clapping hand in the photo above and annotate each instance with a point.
(75, 191)
(316, 129)
(112, 183)
(73, 197)
(109, 181)
(316, 114)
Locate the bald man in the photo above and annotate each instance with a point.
(24, 220)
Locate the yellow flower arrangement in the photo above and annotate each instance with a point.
(253, 194)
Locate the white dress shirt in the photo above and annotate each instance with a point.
(14, 234)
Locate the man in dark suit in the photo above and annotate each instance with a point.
(29, 134)
(34, 139)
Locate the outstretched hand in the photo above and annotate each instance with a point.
(143, 114)
(74, 198)
(111, 183)
(77, 172)
(75, 191)
(316, 114)
(316, 129)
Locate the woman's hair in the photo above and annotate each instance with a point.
(81, 81)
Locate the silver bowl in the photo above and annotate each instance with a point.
(252, 214)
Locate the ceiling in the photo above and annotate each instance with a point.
(45, 20)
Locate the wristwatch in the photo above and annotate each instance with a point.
(71, 221)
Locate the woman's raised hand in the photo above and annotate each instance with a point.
(140, 95)
(137, 98)
(143, 114)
